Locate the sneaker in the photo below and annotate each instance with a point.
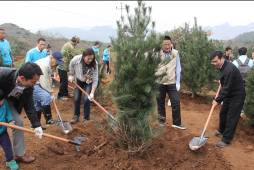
(12, 165)
(50, 122)
(63, 98)
(179, 127)
(218, 133)
(221, 144)
(169, 103)
(85, 121)
(75, 119)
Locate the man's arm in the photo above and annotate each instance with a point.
(225, 87)
(178, 70)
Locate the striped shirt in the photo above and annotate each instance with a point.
(89, 76)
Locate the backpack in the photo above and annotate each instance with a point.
(244, 68)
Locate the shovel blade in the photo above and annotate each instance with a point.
(197, 142)
(65, 126)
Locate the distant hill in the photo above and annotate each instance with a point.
(100, 33)
(22, 40)
(227, 32)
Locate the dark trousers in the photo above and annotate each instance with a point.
(46, 110)
(229, 117)
(63, 88)
(175, 103)
(77, 99)
(6, 145)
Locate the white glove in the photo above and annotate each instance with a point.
(38, 132)
(71, 79)
(177, 87)
(52, 97)
(91, 96)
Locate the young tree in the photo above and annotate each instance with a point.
(134, 82)
(194, 50)
(249, 100)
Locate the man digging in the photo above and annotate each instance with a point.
(232, 94)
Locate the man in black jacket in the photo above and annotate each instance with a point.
(232, 95)
(17, 87)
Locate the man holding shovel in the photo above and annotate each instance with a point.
(42, 89)
(232, 94)
(17, 87)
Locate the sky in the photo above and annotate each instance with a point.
(167, 15)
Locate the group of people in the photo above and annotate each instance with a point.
(30, 87)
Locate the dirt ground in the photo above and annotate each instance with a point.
(168, 151)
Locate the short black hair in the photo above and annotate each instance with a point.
(228, 48)
(216, 53)
(242, 51)
(41, 39)
(166, 37)
(29, 70)
(97, 43)
(109, 46)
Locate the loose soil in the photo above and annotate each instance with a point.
(167, 151)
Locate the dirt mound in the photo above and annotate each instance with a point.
(99, 151)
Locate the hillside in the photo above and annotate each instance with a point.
(22, 40)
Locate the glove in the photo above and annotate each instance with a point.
(71, 79)
(38, 132)
(177, 87)
(91, 97)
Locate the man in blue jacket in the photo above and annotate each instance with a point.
(38, 52)
(6, 58)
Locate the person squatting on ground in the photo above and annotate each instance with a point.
(42, 93)
(17, 87)
(168, 78)
(5, 142)
(84, 69)
(232, 94)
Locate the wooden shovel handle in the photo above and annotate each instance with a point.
(31, 131)
(211, 111)
(98, 104)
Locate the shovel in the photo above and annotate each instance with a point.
(74, 142)
(198, 142)
(65, 126)
(102, 108)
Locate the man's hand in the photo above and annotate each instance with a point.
(38, 132)
(71, 79)
(215, 103)
(91, 97)
(1, 102)
(178, 87)
(12, 122)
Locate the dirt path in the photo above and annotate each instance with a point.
(168, 151)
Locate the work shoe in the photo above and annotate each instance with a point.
(169, 102)
(24, 159)
(85, 121)
(50, 122)
(218, 133)
(12, 165)
(221, 144)
(75, 119)
(179, 127)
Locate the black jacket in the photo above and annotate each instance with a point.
(231, 82)
(8, 78)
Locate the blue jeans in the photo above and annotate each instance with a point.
(77, 99)
(6, 145)
(41, 97)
